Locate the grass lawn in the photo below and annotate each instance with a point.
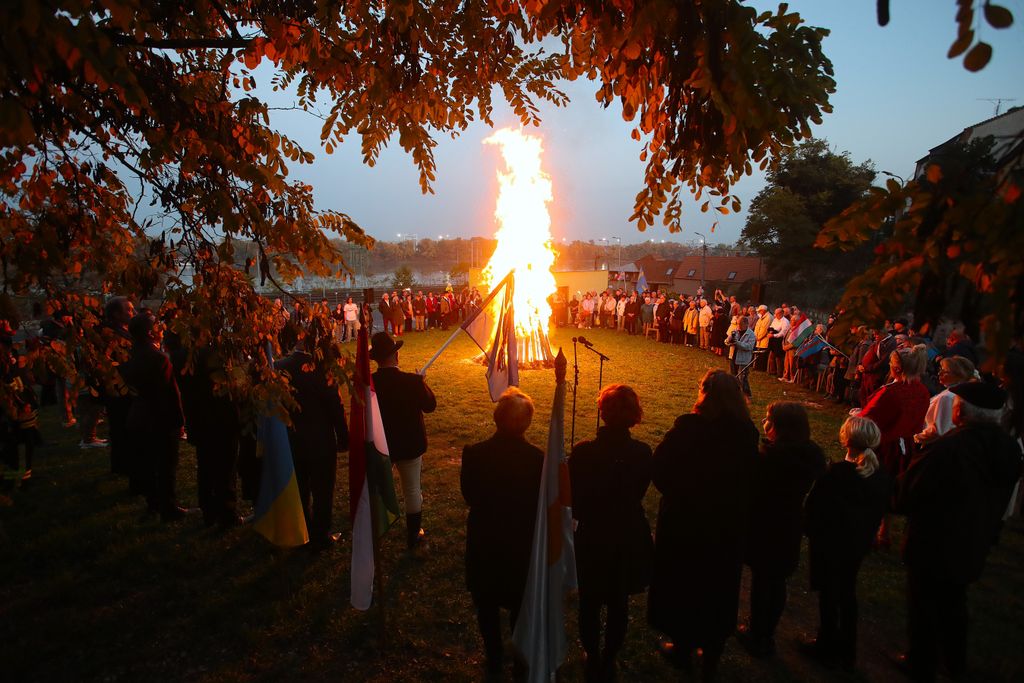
(92, 588)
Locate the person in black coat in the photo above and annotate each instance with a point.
(403, 398)
(614, 549)
(500, 481)
(703, 469)
(213, 425)
(317, 433)
(117, 313)
(841, 515)
(789, 463)
(154, 420)
(954, 493)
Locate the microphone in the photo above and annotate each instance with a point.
(583, 340)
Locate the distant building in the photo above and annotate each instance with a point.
(732, 274)
(1006, 131)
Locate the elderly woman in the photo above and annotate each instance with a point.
(841, 515)
(787, 467)
(500, 481)
(703, 469)
(939, 418)
(898, 408)
(614, 549)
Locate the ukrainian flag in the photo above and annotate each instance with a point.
(279, 515)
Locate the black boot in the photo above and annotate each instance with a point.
(413, 532)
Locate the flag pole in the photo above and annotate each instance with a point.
(483, 304)
(378, 572)
(825, 341)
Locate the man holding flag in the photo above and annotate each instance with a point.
(403, 398)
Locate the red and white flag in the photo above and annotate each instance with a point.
(493, 328)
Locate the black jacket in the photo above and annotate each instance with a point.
(703, 468)
(783, 474)
(610, 477)
(954, 495)
(403, 398)
(155, 405)
(841, 517)
(500, 481)
(318, 424)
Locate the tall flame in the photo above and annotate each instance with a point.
(524, 239)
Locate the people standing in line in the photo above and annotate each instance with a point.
(898, 409)
(154, 420)
(614, 550)
(317, 434)
(841, 515)
(955, 494)
(703, 469)
(741, 345)
(500, 482)
(403, 398)
(788, 465)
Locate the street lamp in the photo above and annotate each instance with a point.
(897, 177)
(703, 260)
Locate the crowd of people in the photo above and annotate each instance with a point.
(944, 451)
(733, 496)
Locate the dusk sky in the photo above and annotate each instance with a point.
(897, 96)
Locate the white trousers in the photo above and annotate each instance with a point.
(409, 476)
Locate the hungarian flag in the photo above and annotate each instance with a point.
(493, 328)
(540, 629)
(799, 332)
(373, 505)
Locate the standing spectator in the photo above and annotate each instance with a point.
(874, 364)
(351, 311)
(954, 495)
(397, 311)
(117, 313)
(620, 312)
(853, 372)
(19, 414)
(741, 349)
(704, 324)
(939, 418)
(690, 323)
(385, 312)
(586, 311)
(608, 309)
(647, 314)
(500, 481)
(663, 316)
(719, 325)
(154, 419)
(403, 398)
(959, 344)
(214, 427)
(338, 320)
(419, 311)
(432, 308)
(898, 409)
(614, 550)
(703, 469)
(762, 336)
(841, 514)
(789, 463)
(318, 432)
(778, 329)
(632, 311)
(574, 310)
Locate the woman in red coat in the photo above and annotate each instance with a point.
(898, 408)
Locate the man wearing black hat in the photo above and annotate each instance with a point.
(403, 398)
(954, 494)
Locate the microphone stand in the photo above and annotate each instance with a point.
(600, 376)
(575, 385)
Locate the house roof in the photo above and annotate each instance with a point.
(719, 268)
(656, 270)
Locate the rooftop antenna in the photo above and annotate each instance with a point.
(998, 101)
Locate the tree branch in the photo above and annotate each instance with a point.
(232, 43)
